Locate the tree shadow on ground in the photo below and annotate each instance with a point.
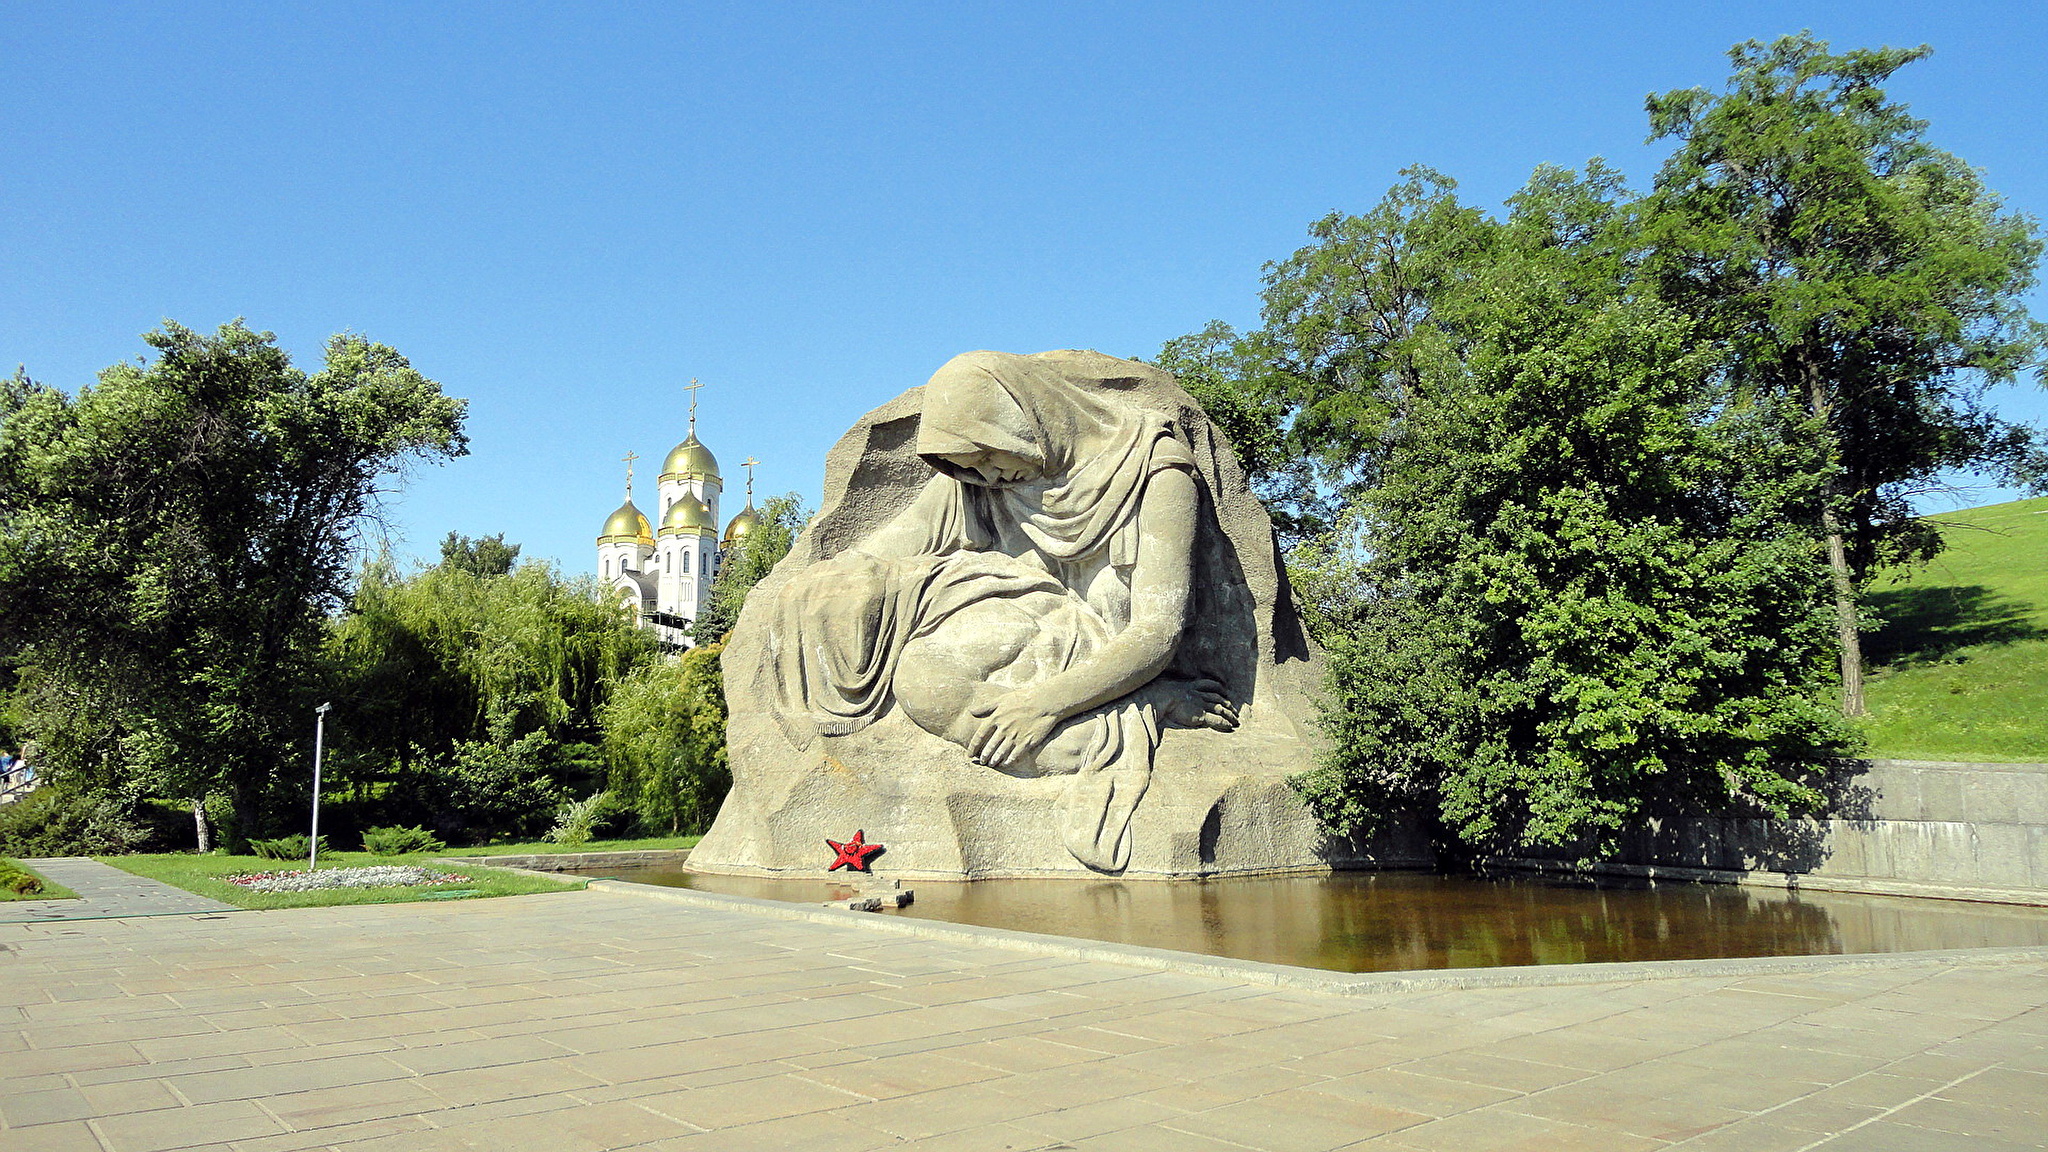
(1930, 625)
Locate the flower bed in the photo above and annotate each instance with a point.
(377, 876)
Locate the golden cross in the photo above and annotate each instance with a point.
(691, 388)
(629, 457)
(748, 464)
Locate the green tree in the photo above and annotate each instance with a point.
(423, 665)
(664, 742)
(1865, 288)
(745, 562)
(172, 539)
(1564, 590)
(480, 555)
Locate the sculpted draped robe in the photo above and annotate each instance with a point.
(1060, 547)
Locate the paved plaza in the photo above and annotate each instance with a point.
(581, 1021)
(105, 891)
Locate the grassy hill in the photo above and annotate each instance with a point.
(1960, 667)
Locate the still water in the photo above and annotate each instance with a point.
(1394, 921)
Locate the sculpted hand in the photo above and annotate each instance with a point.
(1011, 729)
(1217, 712)
(1198, 704)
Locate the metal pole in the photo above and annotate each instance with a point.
(319, 737)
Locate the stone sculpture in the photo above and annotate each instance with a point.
(1038, 628)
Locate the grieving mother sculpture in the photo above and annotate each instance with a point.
(1038, 586)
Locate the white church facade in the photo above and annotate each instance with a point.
(665, 573)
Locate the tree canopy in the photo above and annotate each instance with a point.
(1574, 599)
(1864, 287)
(480, 555)
(423, 661)
(1581, 497)
(172, 539)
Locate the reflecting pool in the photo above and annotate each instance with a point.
(1394, 921)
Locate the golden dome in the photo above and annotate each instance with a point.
(741, 525)
(688, 515)
(689, 460)
(627, 524)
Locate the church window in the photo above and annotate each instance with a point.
(686, 563)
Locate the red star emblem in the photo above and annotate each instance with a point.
(853, 855)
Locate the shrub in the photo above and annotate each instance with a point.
(399, 841)
(19, 880)
(292, 847)
(486, 790)
(577, 820)
(53, 821)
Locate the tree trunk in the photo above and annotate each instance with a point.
(1845, 616)
(1847, 632)
(201, 826)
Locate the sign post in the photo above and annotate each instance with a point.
(319, 738)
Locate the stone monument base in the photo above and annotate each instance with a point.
(1202, 817)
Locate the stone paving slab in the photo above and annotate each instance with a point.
(590, 1021)
(104, 891)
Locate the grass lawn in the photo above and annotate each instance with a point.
(548, 847)
(51, 889)
(1960, 667)
(206, 876)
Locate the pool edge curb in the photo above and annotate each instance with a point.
(1317, 979)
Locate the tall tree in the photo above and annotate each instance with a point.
(172, 538)
(1865, 286)
(1577, 599)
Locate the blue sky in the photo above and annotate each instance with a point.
(565, 212)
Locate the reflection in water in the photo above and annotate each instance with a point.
(1393, 921)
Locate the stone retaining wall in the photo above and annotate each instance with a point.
(565, 861)
(1894, 827)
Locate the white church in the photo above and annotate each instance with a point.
(665, 574)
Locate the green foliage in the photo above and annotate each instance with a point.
(424, 662)
(1231, 377)
(1566, 589)
(479, 556)
(484, 790)
(1865, 289)
(1351, 334)
(18, 880)
(296, 846)
(576, 821)
(1961, 661)
(171, 540)
(1586, 455)
(606, 844)
(470, 703)
(664, 742)
(399, 841)
(57, 820)
(742, 566)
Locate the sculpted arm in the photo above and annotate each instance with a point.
(1161, 590)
